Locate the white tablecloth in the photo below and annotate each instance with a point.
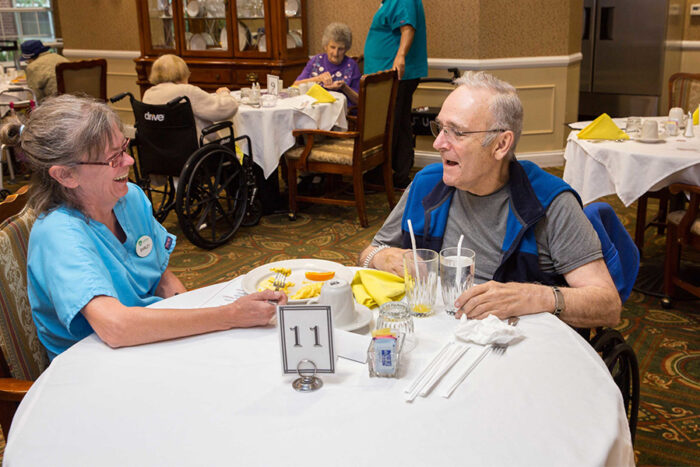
(221, 399)
(630, 168)
(270, 128)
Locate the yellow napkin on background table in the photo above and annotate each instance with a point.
(374, 288)
(602, 128)
(321, 95)
(696, 115)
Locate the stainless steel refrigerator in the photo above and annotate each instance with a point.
(627, 48)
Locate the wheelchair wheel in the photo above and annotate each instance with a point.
(211, 196)
(162, 198)
(253, 213)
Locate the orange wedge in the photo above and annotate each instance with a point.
(319, 276)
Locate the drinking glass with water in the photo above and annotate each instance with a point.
(456, 275)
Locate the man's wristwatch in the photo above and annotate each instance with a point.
(559, 304)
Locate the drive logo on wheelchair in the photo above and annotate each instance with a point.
(154, 117)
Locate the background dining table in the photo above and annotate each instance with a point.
(630, 168)
(270, 128)
(222, 399)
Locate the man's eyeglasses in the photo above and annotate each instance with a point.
(436, 128)
(115, 159)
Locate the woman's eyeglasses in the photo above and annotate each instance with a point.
(436, 128)
(115, 159)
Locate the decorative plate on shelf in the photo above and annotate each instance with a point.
(262, 43)
(291, 42)
(198, 42)
(243, 36)
(223, 39)
(192, 8)
(291, 7)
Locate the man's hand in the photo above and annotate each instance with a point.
(256, 309)
(504, 300)
(390, 260)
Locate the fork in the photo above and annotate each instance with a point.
(279, 281)
(500, 349)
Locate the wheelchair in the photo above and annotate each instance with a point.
(215, 192)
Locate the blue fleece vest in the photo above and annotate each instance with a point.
(532, 191)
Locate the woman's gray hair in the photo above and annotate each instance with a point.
(169, 68)
(506, 108)
(337, 32)
(63, 130)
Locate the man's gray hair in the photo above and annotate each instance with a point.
(64, 130)
(337, 32)
(506, 108)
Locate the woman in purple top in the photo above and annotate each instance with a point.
(333, 69)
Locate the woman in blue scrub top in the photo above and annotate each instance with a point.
(96, 255)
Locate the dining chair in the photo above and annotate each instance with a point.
(683, 232)
(14, 203)
(6, 159)
(683, 92)
(83, 76)
(22, 357)
(622, 260)
(350, 153)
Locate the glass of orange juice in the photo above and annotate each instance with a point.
(421, 277)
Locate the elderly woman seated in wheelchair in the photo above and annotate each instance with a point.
(169, 76)
(96, 255)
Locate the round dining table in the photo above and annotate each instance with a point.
(222, 399)
(270, 128)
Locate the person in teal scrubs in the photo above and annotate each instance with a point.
(97, 256)
(397, 40)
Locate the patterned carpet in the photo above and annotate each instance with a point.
(667, 342)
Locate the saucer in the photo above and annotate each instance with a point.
(361, 318)
(651, 140)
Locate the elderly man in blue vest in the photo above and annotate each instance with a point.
(535, 249)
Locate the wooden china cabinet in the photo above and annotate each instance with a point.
(229, 43)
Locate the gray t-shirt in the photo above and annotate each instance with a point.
(565, 238)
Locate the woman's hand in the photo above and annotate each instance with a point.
(257, 309)
(324, 78)
(335, 85)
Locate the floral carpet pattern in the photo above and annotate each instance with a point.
(666, 341)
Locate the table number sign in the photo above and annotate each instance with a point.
(306, 335)
(274, 84)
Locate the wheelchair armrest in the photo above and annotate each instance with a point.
(120, 96)
(333, 134)
(215, 128)
(177, 100)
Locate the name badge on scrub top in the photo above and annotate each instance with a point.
(144, 245)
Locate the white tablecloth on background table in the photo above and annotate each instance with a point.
(221, 399)
(270, 128)
(630, 168)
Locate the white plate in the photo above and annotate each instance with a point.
(291, 7)
(650, 141)
(198, 42)
(252, 280)
(362, 317)
(243, 36)
(291, 42)
(192, 8)
(297, 37)
(223, 39)
(208, 38)
(262, 43)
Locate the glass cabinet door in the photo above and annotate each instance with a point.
(252, 27)
(206, 27)
(294, 20)
(160, 25)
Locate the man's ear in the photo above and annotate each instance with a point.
(504, 143)
(64, 175)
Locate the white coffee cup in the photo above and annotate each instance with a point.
(650, 129)
(337, 294)
(676, 114)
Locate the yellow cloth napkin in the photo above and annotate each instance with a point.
(321, 95)
(374, 288)
(696, 116)
(602, 128)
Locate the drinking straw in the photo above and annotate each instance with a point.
(458, 279)
(413, 246)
